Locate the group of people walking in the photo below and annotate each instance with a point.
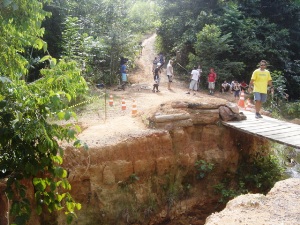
(195, 77)
(260, 80)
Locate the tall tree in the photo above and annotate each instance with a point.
(29, 148)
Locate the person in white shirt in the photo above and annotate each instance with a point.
(170, 73)
(194, 81)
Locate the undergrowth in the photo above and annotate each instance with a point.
(258, 173)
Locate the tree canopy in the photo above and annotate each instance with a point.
(254, 30)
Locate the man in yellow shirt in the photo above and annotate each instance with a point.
(261, 78)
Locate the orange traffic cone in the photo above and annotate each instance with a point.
(134, 108)
(123, 104)
(247, 105)
(241, 102)
(111, 100)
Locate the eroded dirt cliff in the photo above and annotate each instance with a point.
(150, 177)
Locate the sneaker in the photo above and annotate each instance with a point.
(258, 116)
(157, 91)
(153, 91)
(188, 93)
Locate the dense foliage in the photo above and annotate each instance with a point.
(98, 33)
(29, 148)
(233, 36)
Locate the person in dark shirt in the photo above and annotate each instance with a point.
(156, 77)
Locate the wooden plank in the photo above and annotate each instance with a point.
(284, 135)
(266, 125)
(258, 125)
(280, 131)
(245, 124)
(275, 130)
(294, 139)
(261, 130)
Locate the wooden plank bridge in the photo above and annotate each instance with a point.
(276, 130)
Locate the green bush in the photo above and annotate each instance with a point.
(260, 172)
(256, 174)
(203, 168)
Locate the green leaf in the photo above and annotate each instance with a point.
(65, 174)
(77, 128)
(71, 133)
(60, 197)
(46, 57)
(77, 143)
(68, 97)
(70, 206)
(78, 206)
(39, 184)
(61, 115)
(65, 184)
(57, 159)
(50, 80)
(45, 46)
(67, 115)
(39, 43)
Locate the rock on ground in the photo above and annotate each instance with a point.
(281, 206)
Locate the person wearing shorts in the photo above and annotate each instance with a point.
(170, 73)
(236, 90)
(260, 80)
(194, 80)
(212, 77)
